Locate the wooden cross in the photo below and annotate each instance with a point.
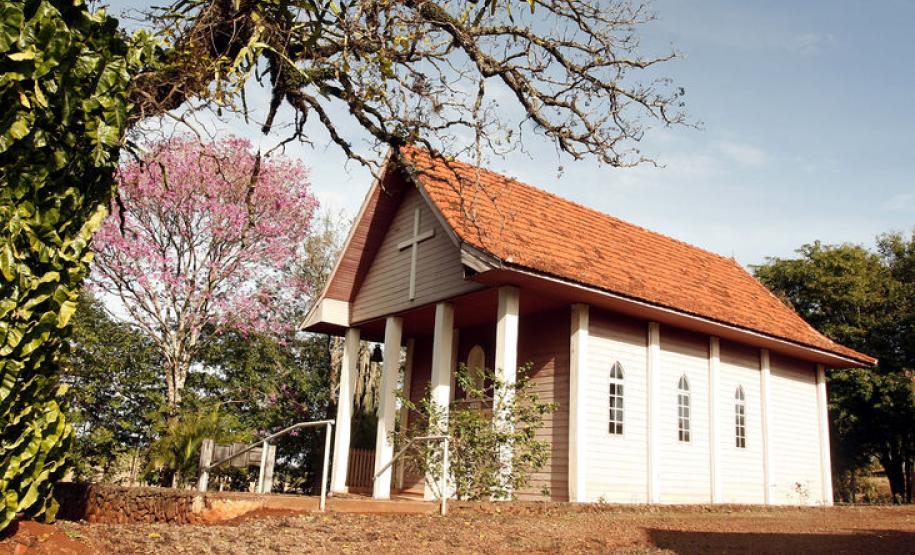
(413, 244)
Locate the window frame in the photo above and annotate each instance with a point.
(616, 395)
(478, 372)
(740, 418)
(684, 410)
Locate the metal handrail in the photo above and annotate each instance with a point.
(444, 480)
(205, 470)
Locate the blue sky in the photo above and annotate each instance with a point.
(806, 133)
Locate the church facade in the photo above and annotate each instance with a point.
(677, 377)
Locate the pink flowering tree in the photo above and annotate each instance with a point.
(205, 237)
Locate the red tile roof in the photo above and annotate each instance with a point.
(529, 228)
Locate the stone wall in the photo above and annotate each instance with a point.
(114, 504)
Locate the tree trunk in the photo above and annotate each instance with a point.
(896, 475)
(170, 386)
(175, 378)
(909, 475)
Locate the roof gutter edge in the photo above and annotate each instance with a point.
(481, 262)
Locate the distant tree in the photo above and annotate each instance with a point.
(266, 384)
(866, 300)
(270, 381)
(204, 236)
(115, 389)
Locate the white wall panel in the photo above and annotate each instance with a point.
(685, 467)
(795, 432)
(741, 469)
(616, 464)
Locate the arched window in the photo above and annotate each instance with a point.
(616, 399)
(740, 418)
(683, 408)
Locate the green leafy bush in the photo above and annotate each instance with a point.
(63, 112)
(478, 442)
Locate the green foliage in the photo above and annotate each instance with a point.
(175, 452)
(477, 442)
(267, 384)
(866, 300)
(63, 108)
(112, 371)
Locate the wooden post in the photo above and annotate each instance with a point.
(387, 405)
(578, 393)
(823, 418)
(444, 484)
(404, 412)
(327, 431)
(343, 422)
(714, 369)
(654, 410)
(506, 367)
(768, 470)
(267, 486)
(442, 345)
(263, 467)
(206, 457)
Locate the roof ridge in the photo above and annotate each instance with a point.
(504, 177)
(656, 268)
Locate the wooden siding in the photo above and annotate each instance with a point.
(378, 207)
(685, 474)
(439, 274)
(419, 386)
(360, 471)
(795, 433)
(543, 343)
(741, 470)
(616, 465)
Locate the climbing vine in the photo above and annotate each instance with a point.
(64, 74)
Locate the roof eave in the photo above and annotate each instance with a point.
(484, 263)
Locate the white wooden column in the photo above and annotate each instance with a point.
(404, 412)
(442, 357)
(654, 411)
(506, 363)
(344, 420)
(765, 411)
(440, 382)
(823, 412)
(714, 370)
(578, 394)
(387, 405)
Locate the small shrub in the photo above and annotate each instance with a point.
(479, 443)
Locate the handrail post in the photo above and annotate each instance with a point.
(206, 457)
(263, 469)
(324, 470)
(445, 476)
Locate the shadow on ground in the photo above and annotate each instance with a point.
(869, 542)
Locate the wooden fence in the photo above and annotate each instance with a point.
(360, 471)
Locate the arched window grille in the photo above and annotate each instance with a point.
(740, 418)
(616, 399)
(683, 409)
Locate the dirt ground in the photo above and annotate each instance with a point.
(502, 528)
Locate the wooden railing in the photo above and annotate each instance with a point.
(206, 457)
(360, 471)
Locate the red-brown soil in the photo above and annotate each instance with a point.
(34, 538)
(516, 527)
